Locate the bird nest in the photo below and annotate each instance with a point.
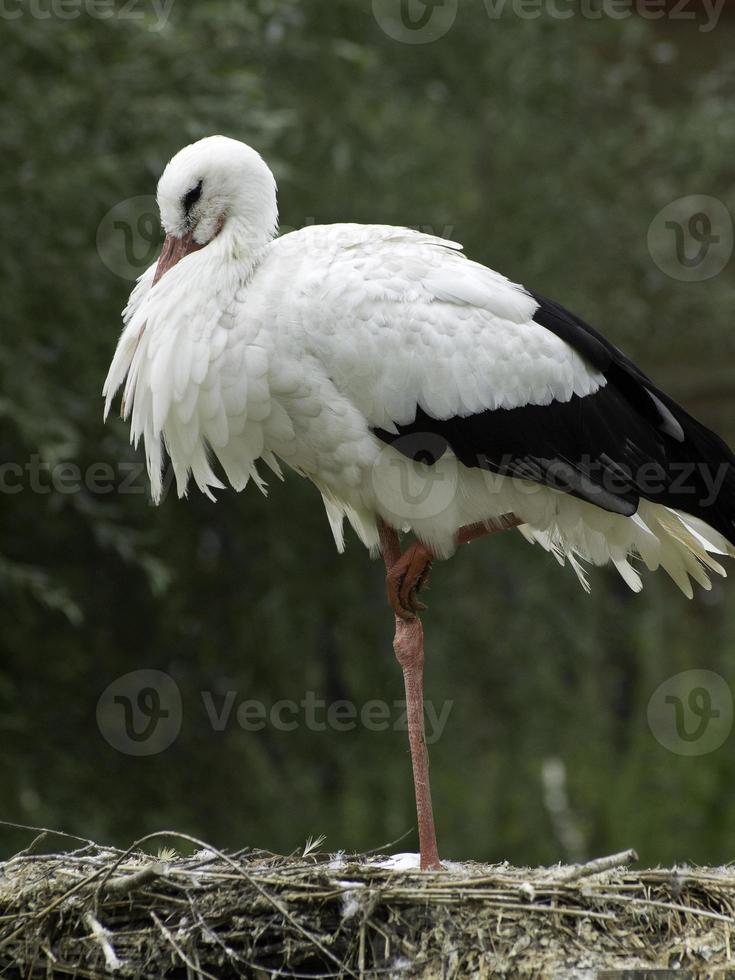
(151, 912)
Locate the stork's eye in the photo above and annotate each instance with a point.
(192, 196)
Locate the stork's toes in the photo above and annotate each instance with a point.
(407, 577)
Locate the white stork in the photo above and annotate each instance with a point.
(418, 390)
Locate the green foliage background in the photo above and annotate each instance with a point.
(547, 146)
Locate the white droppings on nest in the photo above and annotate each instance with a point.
(401, 967)
(527, 891)
(352, 901)
(399, 862)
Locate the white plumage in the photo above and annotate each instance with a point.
(296, 350)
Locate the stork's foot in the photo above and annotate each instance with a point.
(406, 578)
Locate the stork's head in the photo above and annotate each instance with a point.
(208, 186)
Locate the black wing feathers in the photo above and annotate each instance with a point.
(625, 442)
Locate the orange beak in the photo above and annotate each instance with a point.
(174, 249)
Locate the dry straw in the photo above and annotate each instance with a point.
(150, 912)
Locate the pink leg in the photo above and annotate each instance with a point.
(406, 574)
(408, 644)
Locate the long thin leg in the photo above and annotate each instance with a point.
(408, 645)
(405, 575)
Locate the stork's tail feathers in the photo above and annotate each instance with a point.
(699, 473)
(678, 526)
(658, 536)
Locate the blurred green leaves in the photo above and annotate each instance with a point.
(547, 147)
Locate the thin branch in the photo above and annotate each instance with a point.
(597, 865)
(102, 937)
(386, 847)
(45, 830)
(128, 883)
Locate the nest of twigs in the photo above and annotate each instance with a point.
(150, 912)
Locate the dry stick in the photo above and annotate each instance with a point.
(408, 644)
(102, 936)
(125, 884)
(597, 865)
(361, 951)
(72, 971)
(33, 844)
(384, 847)
(45, 830)
(629, 899)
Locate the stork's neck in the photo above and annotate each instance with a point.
(244, 245)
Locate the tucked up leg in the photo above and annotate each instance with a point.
(406, 577)
(408, 573)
